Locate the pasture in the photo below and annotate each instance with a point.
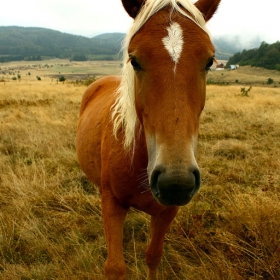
(50, 218)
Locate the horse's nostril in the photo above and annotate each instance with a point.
(154, 182)
(196, 174)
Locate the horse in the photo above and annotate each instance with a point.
(137, 133)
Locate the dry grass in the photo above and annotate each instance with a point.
(50, 218)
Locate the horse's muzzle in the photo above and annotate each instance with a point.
(174, 187)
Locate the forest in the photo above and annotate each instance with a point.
(266, 56)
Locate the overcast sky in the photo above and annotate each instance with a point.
(248, 18)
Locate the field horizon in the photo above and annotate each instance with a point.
(50, 218)
(75, 71)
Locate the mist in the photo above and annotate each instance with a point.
(227, 45)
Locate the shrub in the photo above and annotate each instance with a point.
(62, 79)
(270, 81)
(245, 92)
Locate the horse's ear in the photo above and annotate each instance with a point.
(133, 7)
(207, 7)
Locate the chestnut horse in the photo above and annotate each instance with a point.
(137, 134)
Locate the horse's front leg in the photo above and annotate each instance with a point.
(113, 219)
(159, 227)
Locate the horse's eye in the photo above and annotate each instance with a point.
(209, 64)
(135, 64)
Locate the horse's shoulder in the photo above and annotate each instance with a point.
(101, 86)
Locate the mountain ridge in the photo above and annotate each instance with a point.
(24, 42)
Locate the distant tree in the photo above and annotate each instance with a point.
(262, 50)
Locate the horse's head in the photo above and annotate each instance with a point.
(170, 53)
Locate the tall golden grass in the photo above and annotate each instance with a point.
(50, 216)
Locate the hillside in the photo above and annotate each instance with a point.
(18, 43)
(266, 56)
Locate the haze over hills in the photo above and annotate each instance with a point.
(18, 43)
(227, 45)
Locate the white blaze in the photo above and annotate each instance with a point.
(173, 42)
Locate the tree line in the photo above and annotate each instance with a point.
(266, 56)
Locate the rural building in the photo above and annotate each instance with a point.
(220, 66)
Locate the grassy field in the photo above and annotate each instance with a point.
(50, 218)
(245, 75)
(55, 68)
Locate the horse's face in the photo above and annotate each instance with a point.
(170, 55)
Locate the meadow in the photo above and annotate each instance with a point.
(50, 215)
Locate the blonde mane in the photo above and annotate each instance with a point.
(123, 111)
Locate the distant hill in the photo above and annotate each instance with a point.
(31, 43)
(108, 43)
(266, 56)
